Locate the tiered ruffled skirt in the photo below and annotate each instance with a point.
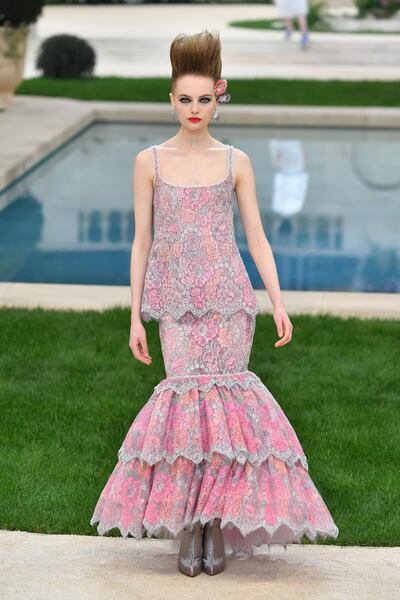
(212, 442)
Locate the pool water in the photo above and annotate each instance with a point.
(329, 201)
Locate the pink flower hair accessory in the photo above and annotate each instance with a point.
(219, 89)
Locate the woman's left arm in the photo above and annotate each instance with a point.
(258, 245)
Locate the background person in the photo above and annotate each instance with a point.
(298, 9)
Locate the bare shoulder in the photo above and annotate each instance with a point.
(143, 163)
(241, 164)
(143, 157)
(240, 156)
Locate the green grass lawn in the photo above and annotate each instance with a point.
(257, 91)
(70, 389)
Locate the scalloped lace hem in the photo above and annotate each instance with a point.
(182, 384)
(204, 382)
(165, 530)
(149, 314)
(289, 457)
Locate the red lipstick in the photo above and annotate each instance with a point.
(194, 119)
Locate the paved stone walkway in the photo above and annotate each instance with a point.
(134, 41)
(36, 566)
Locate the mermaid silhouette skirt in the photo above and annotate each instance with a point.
(212, 441)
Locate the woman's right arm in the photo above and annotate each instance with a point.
(142, 209)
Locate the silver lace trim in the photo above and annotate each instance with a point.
(228, 176)
(183, 383)
(149, 314)
(244, 527)
(196, 455)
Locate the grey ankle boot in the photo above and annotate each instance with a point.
(213, 548)
(191, 550)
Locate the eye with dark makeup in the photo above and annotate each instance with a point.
(185, 98)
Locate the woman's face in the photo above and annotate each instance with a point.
(194, 97)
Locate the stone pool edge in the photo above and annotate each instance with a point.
(64, 296)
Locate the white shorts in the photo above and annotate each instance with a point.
(291, 8)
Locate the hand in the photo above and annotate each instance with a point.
(283, 325)
(138, 342)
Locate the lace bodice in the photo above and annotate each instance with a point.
(194, 262)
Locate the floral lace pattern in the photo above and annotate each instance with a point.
(212, 441)
(269, 504)
(214, 343)
(239, 424)
(194, 413)
(194, 262)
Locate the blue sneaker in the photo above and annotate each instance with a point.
(288, 34)
(304, 40)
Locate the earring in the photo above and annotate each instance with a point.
(215, 114)
(173, 112)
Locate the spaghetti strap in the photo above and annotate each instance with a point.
(155, 161)
(230, 162)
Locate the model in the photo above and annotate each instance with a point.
(211, 461)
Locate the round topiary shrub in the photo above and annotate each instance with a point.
(21, 13)
(65, 56)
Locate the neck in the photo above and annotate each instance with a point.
(193, 140)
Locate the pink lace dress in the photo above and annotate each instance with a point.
(211, 441)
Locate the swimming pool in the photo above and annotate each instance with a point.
(329, 201)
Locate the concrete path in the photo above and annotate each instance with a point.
(37, 566)
(59, 296)
(134, 41)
